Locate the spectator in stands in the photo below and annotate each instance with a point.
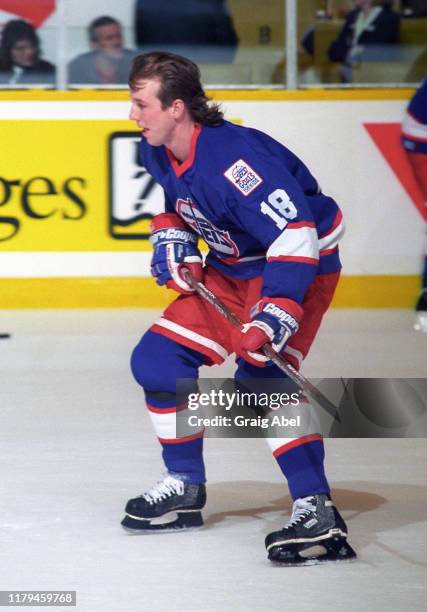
(108, 62)
(20, 61)
(370, 23)
(202, 30)
(414, 141)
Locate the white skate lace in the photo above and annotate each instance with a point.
(164, 489)
(301, 508)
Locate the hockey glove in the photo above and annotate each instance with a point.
(273, 320)
(175, 245)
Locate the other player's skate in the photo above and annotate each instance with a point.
(168, 506)
(421, 313)
(315, 533)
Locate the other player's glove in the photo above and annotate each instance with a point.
(175, 245)
(273, 320)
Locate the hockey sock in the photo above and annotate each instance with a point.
(301, 461)
(183, 456)
(167, 371)
(185, 460)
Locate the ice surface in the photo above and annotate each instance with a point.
(76, 443)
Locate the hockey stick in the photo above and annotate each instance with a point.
(305, 385)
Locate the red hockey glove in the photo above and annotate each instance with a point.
(175, 245)
(273, 320)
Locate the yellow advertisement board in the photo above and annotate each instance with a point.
(69, 185)
(71, 189)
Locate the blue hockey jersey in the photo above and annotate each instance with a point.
(418, 105)
(414, 125)
(255, 204)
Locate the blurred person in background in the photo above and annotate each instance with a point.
(20, 61)
(414, 141)
(202, 30)
(108, 61)
(370, 23)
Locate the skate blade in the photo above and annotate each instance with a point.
(334, 550)
(171, 522)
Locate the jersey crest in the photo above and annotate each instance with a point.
(218, 239)
(242, 177)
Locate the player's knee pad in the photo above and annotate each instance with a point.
(157, 362)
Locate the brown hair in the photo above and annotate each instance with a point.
(179, 79)
(100, 22)
(13, 32)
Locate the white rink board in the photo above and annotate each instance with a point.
(385, 232)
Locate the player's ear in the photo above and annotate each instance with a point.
(178, 108)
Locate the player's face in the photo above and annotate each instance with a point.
(158, 123)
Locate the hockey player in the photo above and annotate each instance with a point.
(414, 141)
(273, 258)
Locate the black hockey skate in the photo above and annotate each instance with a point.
(421, 313)
(170, 505)
(315, 533)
